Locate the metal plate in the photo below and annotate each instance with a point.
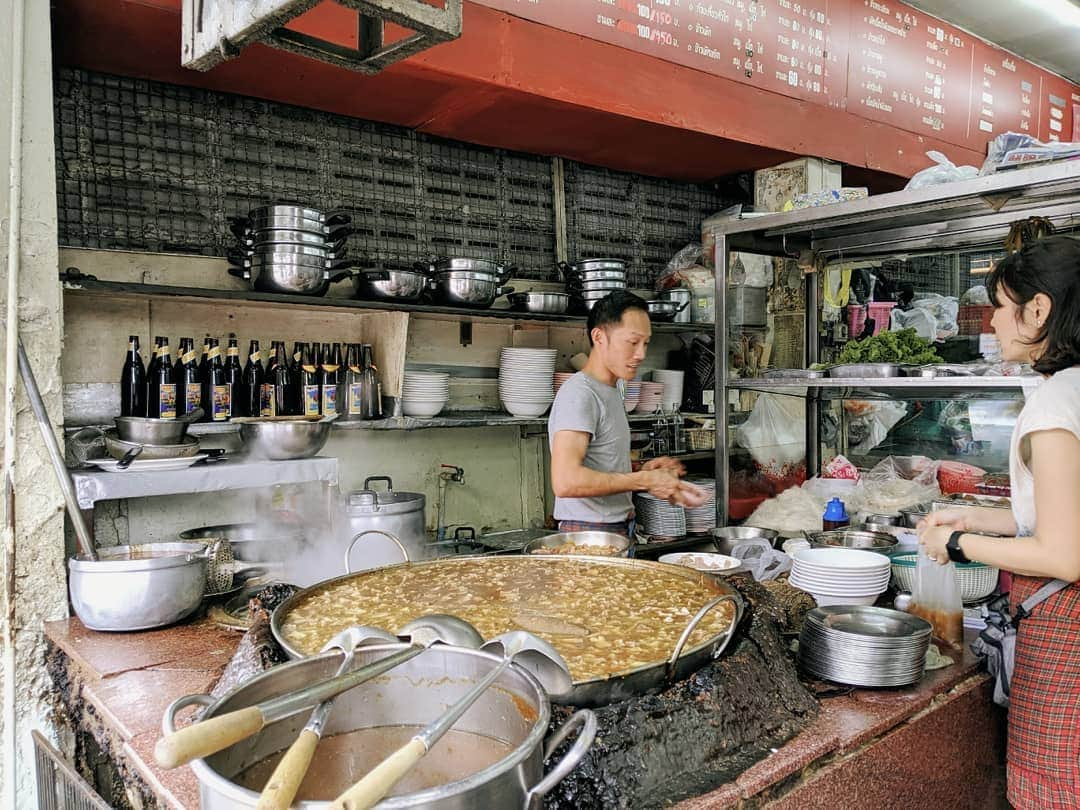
(592, 692)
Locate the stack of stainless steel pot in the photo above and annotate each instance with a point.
(592, 279)
(398, 514)
(290, 248)
(392, 284)
(462, 282)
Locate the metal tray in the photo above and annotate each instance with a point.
(865, 370)
(597, 691)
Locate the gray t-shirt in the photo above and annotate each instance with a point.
(586, 405)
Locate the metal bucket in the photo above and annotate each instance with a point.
(514, 711)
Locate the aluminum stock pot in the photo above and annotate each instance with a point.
(523, 586)
(514, 713)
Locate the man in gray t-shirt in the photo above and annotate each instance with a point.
(589, 434)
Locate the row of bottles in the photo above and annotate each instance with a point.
(312, 381)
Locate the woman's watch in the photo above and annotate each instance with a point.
(956, 554)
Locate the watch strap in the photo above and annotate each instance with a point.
(956, 554)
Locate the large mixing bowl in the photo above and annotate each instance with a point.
(283, 439)
(726, 537)
(603, 544)
(138, 587)
(143, 430)
(512, 716)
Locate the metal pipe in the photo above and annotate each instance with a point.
(15, 170)
(813, 395)
(82, 531)
(720, 384)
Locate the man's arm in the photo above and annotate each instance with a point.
(570, 478)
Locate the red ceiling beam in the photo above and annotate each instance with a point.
(514, 84)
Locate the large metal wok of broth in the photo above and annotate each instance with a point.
(609, 618)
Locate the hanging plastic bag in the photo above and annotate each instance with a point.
(762, 560)
(775, 433)
(936, 598)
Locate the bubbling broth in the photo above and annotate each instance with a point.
(343, 759)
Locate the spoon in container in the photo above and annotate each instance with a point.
(517, 646)
(210, 736)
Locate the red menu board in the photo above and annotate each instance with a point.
(880, 59)
(1056, 109)
(909, 69)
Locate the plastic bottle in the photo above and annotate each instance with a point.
(835, 517)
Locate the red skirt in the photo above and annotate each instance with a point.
(1044, 704)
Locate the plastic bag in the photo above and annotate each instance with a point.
(932, 316)
(1012, 149)
(762, 560)
(975, 296)
(944, 171)
(870, 428)
(775, 433)
(936, 598)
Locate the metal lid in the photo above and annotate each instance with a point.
(368, 501)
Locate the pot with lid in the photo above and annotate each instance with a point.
(387, 512)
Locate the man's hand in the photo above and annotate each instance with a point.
(662, 484)
(665, 463)
(689, 495)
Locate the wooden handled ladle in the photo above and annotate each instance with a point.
(517, 646)
(210, 736)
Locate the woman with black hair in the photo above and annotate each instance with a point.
(1036, 293)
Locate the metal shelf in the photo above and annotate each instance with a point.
(966, 214)
(896, 387)
(87, 286)
(92, 486)
(461, 419)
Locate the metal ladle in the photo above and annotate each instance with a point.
(210, 736)
(285, 781)
(517, 646)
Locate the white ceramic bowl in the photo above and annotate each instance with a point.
(525, 409)
(414, 408)
(824, 599)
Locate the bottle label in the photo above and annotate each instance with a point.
(192, 398)
(214, 352)
(354, 369)
(187, 357)
(167, 401)
(356, 397)
(296, 356)
(133, 346)
(266, 400)
(222, 403)
(256, 357)
(234, 351)
(329, 367)
(329, 399)
(311, 400)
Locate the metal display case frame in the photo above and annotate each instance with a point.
(970, 214)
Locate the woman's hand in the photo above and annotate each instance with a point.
(933, 539)
(958, 519)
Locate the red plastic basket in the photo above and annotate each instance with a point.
(975, 319)
(955, 477)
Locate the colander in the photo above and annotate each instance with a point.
(977, 580)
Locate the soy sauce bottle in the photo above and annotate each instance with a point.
(234, 376)
(249, 402)
(133, 381)
(189, 394)
(216, 390)
(161, 388)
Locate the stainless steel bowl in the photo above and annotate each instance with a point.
(911, 516)
(138, 587)
(142, 430)
(390, 285)
(283, 439)
(852, 538)
(664, 310)
(118, 448)
(550, 303)
(619, 542)
(792, 374)
(291, 276)
(725, 537)
(865, 370)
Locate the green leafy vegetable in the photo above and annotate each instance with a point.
(904, 346)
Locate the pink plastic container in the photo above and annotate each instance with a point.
(879, 311)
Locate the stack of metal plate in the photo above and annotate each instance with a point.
(659, 518)
(592, 279)
(860, 645)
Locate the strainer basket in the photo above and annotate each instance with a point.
(977, 580)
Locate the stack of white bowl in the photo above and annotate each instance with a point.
(632, 395)
(424, 393)
(527, 380)
(659, 518)
(841, 576)
(652, 395)
(702, 519)
(673, 387)
(561, 377)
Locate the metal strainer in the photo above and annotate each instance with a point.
(220, 566)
